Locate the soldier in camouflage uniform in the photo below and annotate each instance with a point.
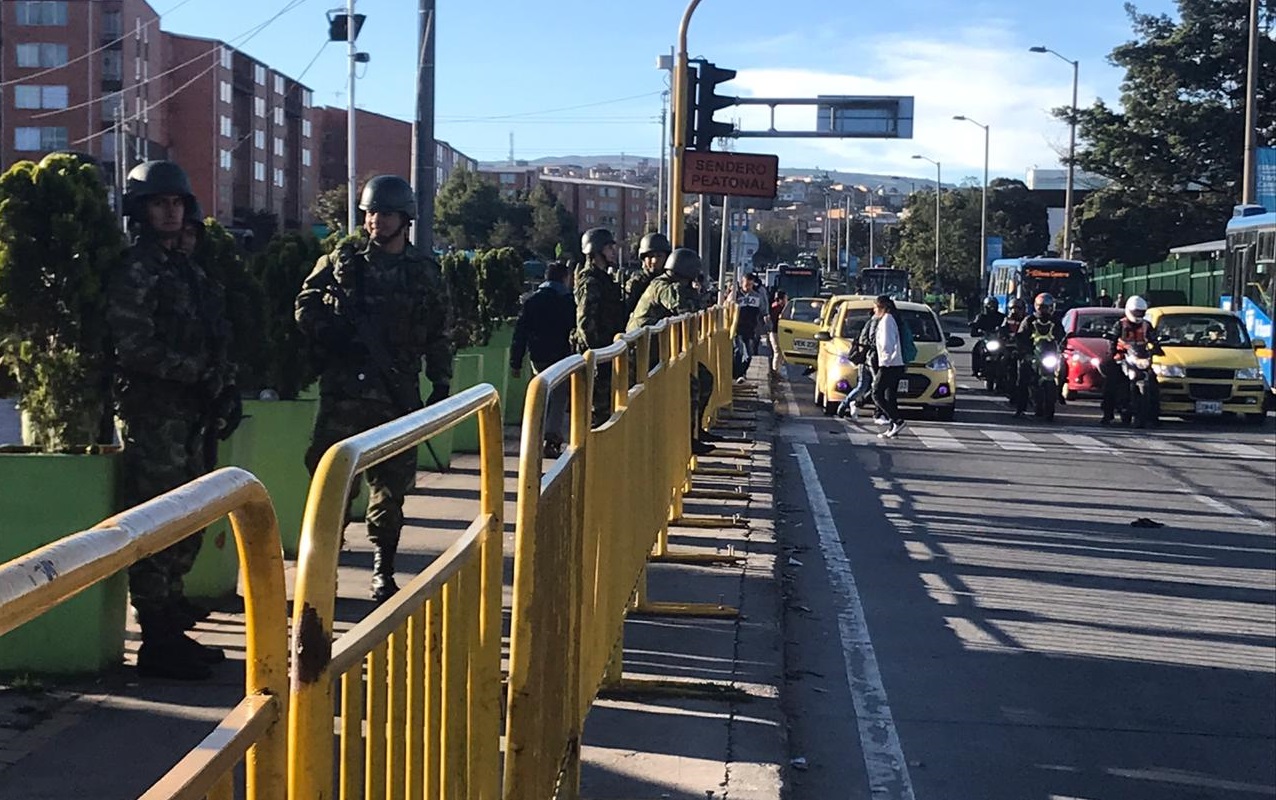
(669, 295)
(653, 251)
(600, 311)
(372, 312)
(170, 335)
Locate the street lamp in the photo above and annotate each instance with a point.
(938, 186)
(1072, 148)
(983, 213)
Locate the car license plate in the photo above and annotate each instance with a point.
(1209, 406)
(903, 384)
(809, 345)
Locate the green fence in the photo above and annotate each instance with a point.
(1199, 276)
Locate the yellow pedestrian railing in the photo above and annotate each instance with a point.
(253, 732)
(420, 677)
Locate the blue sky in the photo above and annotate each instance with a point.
(502, 63)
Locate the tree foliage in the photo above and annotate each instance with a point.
(331, 207)
(471, 214)
(59, 242)
(250, 346)
(280, 268)
(1178, 132)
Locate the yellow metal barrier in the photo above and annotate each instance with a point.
(253, 731)
(419, 712)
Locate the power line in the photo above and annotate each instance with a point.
(552, 110)
(156, 104)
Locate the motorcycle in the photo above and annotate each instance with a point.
(1138, 403)
(997, 354)
(1041, 378)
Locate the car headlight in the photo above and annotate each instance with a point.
(939, 363)
(1169, 370)
(1096, 363)
(993, 346)
(1248, 374)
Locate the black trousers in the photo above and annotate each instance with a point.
(886, 391)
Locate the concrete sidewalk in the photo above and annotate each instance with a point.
(717, 730)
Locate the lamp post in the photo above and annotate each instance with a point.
(983, 212)
(680, 108)
(1249, 184)
(1072, 148)
(938, 187)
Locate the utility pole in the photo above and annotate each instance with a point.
(705, 245)
(726, 242)
(352, 179)
(848, 234)
(983, 213)
(1250, 183)
(1072, 146)
(664, 164)
(679, 129)
(425, 156)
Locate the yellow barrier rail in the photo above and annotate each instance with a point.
(419, 712)
(253, 731)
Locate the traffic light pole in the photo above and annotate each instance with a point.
(679, 128)
(352, 170)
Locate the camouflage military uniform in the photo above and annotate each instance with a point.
(402, 303)
(170, 335)
(667, 296)
(600, 315)
(635, 286)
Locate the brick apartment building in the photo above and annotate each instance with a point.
(384, 145)
(621, 207)
(512, 180)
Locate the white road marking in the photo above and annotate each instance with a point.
(879, 740)
(1009, 440)
(790, 405)
(1240, 450)
(1169, 448)
(863, 433)
(1086, 444)
(937, 438)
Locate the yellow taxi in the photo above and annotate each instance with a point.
(797, 327)
(1208, 366)
(930, 383)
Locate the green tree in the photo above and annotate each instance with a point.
(331, 207)
(1179, 129)
(776, 241)
(250, 346)
(1018, 216)
(462, 284)
(281, 267)
(59, 241)
(551, 224)
(467, 209)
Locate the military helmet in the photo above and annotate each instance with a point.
(151, 178)
(194, 214)
(388, 193)
(595, 239)
(654, 243)
(683, 263)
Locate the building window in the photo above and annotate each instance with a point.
(225, 160)
(112, 24)
(226, 58)
(279, 178)
(225, 92)
(112, 104)
(507, 179)
(259, 106)
(259, 140)
(40, 97)
(279, 146)
(305, 158)
(279, 116)
(35, 139)
(259, 170)
(42, 55)
(112, 65)
(259, 74)
(279, 84)
(306, 98)
(41, 12)
(227, 129)
(589, 204)
(305, 128)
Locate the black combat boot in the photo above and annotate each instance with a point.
(167, 653)
(189, 613)
(383, 585)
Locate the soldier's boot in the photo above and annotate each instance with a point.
(189, 613)
(168, 653)
(383, 585)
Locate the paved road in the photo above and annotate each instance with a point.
(971, 616)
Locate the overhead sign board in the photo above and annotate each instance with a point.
(731, 174)
(865, 117)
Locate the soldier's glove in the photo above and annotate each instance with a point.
(229, 412)
(439, 394)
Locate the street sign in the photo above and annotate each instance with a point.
(732, 174)
(1267, 178)
(865, 117)
(994, 248)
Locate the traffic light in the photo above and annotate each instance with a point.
(704, 100)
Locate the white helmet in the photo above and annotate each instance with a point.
(1135, 308)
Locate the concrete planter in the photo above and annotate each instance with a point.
(45, 498)
(214, 578)
(467, 371)
(281, 433)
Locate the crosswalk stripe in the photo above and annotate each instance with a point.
(1168, 448)
(938, 439)
(1086, 444)
(1240, 450)
(1009, 440)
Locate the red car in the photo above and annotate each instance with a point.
(1086, 349)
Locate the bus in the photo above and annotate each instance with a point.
(875, 281)
(1249, 278)
(800, 280)
(1025, 278)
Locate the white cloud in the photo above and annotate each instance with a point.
(985, 73)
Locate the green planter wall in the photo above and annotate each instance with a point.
(281, 433)
(214, 578)
(45, 498)
(441, 445)
(467, 371)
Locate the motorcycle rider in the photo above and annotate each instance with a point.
(1039, 327)
(1007, 332)
(984, 325)
(1130, 331)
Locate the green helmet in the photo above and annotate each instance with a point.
(151, 178)
(595, 239)
(683, 264)
(654, 243)
(194, 214)
(388, 193)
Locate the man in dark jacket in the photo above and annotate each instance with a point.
(543, 332)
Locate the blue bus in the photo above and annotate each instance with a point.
(1249, 279)
(1025, 278)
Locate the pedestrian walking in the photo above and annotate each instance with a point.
(652, 252)
(543, 332)
(669, 295)
(863, 354)
(751, 319)
(600, 311)
(373, 311)
(891, 366)
(778, 301)
(174, 382)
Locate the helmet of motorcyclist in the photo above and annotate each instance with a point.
(683, 264)
(1017, 305)
(388, 193)
(1044, 304)
(654, 244)
(595, 239)
(1136, 308)
(990, 304)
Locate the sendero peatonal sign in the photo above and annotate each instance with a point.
(731, 174)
